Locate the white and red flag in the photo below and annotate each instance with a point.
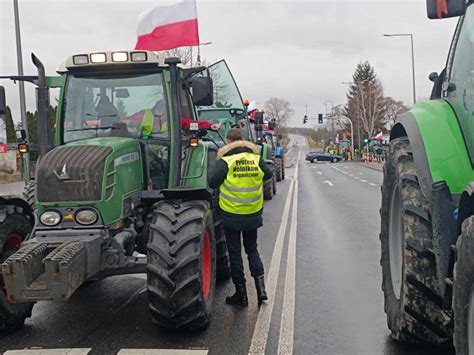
(337, 138)
(379, 137)
(168, 26)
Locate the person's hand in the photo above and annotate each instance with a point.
(216, 126)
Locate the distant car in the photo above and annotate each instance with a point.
(322, 156)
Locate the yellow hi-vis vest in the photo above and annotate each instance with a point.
(148, 122)
(242, 190)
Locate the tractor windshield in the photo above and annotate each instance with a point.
(125, 106)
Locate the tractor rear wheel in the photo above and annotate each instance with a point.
(463, 291)
(412, 302)
(29, 193)
(181, 265)
(279, 169)
(222, 256)
(268, 189)
(14, 227)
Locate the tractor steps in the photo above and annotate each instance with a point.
(39, 271)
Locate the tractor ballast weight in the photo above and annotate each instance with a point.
(427, 223)
(119, 181)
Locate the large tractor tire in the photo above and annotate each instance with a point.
(181, 265)
(29, 193)
(222, 256)
(412, 302)
(268, 189)
(463, 291)
(14, 227)
(279, 169)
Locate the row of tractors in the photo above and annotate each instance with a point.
(121, 186)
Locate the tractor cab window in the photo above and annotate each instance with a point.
(460, 84)
(125, 106)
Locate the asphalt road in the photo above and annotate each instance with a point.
(321, 253)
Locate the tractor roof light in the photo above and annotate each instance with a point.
(119, 57)
(80, 59)
(138, 56)
(98, 58)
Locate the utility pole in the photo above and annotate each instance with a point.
(21, 84)
(332, 118)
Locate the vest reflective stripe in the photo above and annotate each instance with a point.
(242, 190)
(239, 200)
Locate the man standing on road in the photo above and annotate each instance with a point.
(239, 174)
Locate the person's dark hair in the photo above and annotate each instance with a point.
(235, 134)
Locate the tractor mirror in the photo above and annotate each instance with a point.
(433, 77)
(3, 103)
(203, 92)
(439, 9)
(259, 118)
(258, 127)
(122, 93)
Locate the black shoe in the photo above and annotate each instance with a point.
(239, 298)
(260, 286)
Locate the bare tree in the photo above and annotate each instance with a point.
(188, 56)
(278, 109)
(393, 109)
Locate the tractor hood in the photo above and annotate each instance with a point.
(101, 172)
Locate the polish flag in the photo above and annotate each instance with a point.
(379, 137)
(337, 138)
(168, 27)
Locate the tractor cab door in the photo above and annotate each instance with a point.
(227, 100)
(458, 86)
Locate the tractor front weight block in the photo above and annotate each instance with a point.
(45, 272)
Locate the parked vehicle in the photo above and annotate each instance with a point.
(322, 156)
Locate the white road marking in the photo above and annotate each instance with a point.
(162, 352)
(372, 184)
(262, 326)
(351, 175)
(318, 172)
(363, 180)
(357, 178)
(41, 351)
(361, 173)
(328, 182)
(287, 323)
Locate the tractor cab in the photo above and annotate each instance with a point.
(228, 108)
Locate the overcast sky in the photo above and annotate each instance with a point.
(299, 50)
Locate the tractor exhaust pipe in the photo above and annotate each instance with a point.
(42, 106)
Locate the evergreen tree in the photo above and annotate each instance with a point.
(11, 137)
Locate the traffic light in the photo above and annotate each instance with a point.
(305, 119)
(320, 118)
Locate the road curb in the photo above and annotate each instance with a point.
(372, 167)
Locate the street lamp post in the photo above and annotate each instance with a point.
(198, 61)
(412, 58)
(21, 85)
(332, 118)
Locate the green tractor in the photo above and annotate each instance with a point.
(427, 213)
(123, 191)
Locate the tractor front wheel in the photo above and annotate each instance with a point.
(463, 291)
(181, 269)
(413, 303)
(14, 227)
(29, 193)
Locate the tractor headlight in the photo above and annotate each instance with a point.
(86, 217)
(50, 218)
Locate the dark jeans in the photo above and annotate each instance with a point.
(234, 246)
